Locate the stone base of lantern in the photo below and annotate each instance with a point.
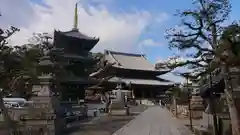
(197, 114)
(43, 116)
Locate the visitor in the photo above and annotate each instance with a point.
(163, 104)
(125, 100)
(160, 103)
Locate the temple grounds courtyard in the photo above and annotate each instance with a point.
(151, 121)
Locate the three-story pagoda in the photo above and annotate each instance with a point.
(75, 60)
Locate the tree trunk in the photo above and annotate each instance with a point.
(234, 115)
(7, 120)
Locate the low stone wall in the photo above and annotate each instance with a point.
(15, 113)
(95, 106)
(144, 102)
(182, 110)
(197, 114)
(200, 131)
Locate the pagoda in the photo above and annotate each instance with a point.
(133, 72)
(75, 60)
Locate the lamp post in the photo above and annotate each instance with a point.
(208, 58)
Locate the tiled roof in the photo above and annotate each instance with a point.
(129, 61)
(140, 81)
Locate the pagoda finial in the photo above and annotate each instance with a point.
(75, 25)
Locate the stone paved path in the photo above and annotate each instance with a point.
(154, 121)
(103, 125)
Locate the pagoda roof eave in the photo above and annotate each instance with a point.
(77, 34)
(77, 57)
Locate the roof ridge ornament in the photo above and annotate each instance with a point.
(118, 63)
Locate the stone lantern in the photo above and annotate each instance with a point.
(44, 113)
(197, 105)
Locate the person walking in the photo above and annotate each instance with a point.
(125, 100)
(163, 104)
(160, 103)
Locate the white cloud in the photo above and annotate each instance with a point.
(150, 42)
(162, 17)
(116, 31)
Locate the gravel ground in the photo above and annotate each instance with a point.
(104, 125)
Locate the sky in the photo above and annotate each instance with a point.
(135, 26)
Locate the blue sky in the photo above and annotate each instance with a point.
(155, 31)
(121, 24)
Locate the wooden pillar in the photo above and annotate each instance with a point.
(133, 95)
(151, 94)
(142, 95)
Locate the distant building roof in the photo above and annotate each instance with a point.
(129, 61)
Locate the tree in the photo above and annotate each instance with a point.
(26, 74)
(4, 52)
(228, 56)
(202, 28)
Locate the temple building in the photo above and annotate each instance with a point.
(76, 61)
(128, 71)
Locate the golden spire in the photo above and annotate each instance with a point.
(75, 25)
